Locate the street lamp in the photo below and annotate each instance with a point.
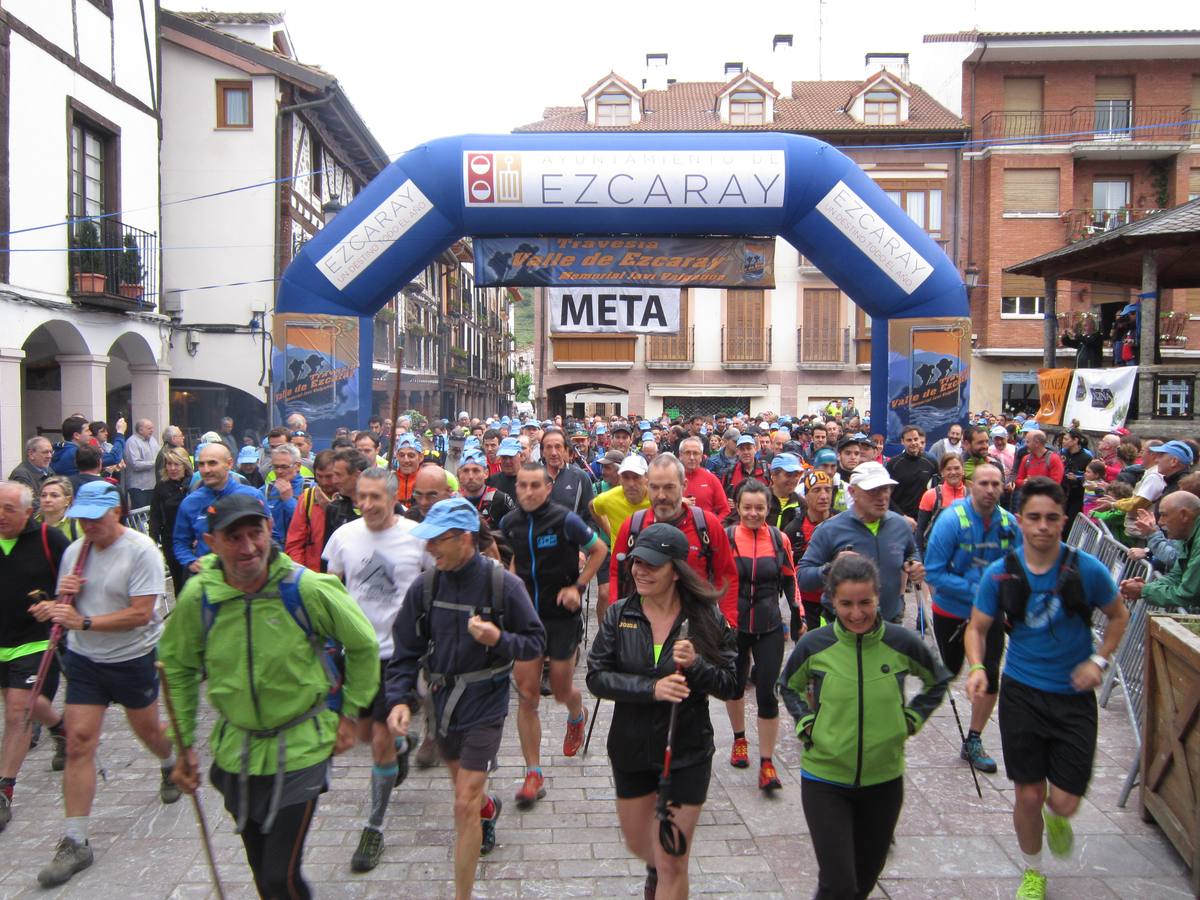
(971, 276)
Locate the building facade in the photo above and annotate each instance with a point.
(80, 328)
(1073, 135)
(791, 348)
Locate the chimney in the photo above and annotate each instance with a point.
(894, 63)
(656, 72)
(782, 66)
(732, 69)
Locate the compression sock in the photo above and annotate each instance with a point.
(529, 769)
(1033, 860)
(488, 810)
(572, 720)
(383, 779)
(77, 829)
(6, 786)
(739, 735)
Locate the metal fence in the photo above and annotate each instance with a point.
(139, 520)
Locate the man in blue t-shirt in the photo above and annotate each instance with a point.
(1048, 717)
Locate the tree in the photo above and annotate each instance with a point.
(523, 382)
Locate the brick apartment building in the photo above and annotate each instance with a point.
(804, 342)
(1075, 133)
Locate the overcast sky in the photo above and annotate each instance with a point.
(421, 70)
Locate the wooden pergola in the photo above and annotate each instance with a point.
(1160, 252)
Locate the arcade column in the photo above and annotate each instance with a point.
(84, 385)
(151, 395)
(11, 444)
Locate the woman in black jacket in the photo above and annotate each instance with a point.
(640, 660)
(174, 478)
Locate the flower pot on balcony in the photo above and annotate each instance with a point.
(89, 282)
(131, 291)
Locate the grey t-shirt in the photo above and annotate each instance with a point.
(129, 567)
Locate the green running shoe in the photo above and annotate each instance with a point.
(1060, 837)
(1033, 886)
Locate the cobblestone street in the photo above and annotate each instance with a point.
(949, 844)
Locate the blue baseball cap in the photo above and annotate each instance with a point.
(505, 420)
(408, 440)
(473, 457)
(785, 462)
(601, 428)
(95, 499)
(1179, 450)
(824, 457)
(509, 447)
(747, 439)
(455, 514)
(644, 425)
(247, 455)
(471, 443)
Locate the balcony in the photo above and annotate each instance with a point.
(671, 351)
(1084, 223)
(113, 266)
(593, 351)
(749, 349)
(1112, 131)
(827, 348)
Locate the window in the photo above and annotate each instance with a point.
(1022, 297)
(614, 109)
(923, 206)
(745, 332)
(1031, 192)
(94, 162)
(821, 340)
(1173, 395)
(1021, 307)
(1194, 178)
(1109, 199)
(881, 107)
(1114, 107)
(234, 108)
(747, 108)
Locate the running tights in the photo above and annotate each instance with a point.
(275, 858)
(767, 649)
(851, 830)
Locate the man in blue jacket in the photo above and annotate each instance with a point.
(464, 625)
(191, 523)
(967, 537)
(280, 495)
(869, 527)
(76, 432)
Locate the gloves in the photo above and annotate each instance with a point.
(804, 730)
(797, 624)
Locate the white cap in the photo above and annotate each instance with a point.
(635, 463)
(999, 431)
(871, 475)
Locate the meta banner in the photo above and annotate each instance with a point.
(697, 179)
(615, 310)
(670, 261)
(928, 375)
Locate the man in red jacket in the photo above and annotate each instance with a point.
(1039, 460)
(709, 553)
(702, 488)
(306, 533)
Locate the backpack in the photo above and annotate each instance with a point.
(327, 650)
(458, 683)
(1015, 590)
(1007, 532)
(635, 526)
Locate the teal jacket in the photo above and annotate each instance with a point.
(846, 693)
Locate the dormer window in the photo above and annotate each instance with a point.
(881, 106)
(614, 108)
(747, 108)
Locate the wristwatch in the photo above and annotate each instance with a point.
(1100, 661)
(87, 624)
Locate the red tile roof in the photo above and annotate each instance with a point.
(814, 106)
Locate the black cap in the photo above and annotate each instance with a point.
(849, 441)
(620, 426)
(660, 543)
(233, 508)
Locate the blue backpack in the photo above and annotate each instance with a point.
(327, 650)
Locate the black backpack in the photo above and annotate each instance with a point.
(1015, 589)
(624, 581)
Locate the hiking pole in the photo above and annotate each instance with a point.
(673, 840)
(56, 635)
(949, 690)
(181, 753)
(591, 727)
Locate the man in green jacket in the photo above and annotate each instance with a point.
(256, 622)
(1179, 514)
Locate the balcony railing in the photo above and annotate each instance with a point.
(671, 351)
(1092, 123)
(826, 348)
(1083, 223)
(745, 349)
(113, 265)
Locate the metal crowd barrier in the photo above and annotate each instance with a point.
(139, 520)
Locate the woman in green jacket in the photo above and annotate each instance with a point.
(844, 686)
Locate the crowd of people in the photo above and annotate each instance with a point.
(392, 588)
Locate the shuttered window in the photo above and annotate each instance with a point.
(1114, 88)
(1194, 113)
(822, 337)
(673, 347)
(744, 326)
(1194, 181)
(1021, 296)
(1022, 94)
(1031, 191)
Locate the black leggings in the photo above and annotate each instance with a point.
(275, 858)
(768, 661)
(850, 829)
(948, 631)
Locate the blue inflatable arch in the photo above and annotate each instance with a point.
(795, 187)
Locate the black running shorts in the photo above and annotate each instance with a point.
(1047, 736)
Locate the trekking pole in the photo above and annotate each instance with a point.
(672, 838)
(181, 753)
(591, 726)
(949, 690)
(56, 635)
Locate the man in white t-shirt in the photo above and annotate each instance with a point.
(378, 558)
(112, 630)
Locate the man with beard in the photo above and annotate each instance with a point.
(492, 503)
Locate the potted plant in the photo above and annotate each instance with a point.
(130, 271)
(88, 276)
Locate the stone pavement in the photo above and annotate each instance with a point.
(949, 844)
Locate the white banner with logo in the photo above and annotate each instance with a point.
(1100, 398)
(614, 310)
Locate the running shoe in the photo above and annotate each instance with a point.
(532, 790)
(369, 852)
(651, 886)
(69, 858)
(973, 752)
(58, 762)
(740, 757)
(5, 811)
(574, 739)
(768, 778)
(1060, 837)
(167, 791)
(488, 844)
(1033, 886)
